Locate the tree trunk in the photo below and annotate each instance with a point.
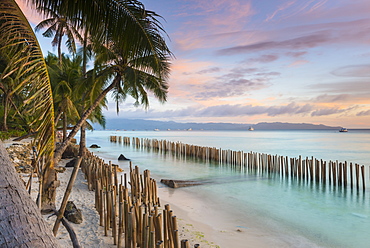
(49, 185)
(21, 224)
(50, 182)
(64, 126)
(60, 149)
(6, 109)
(81, 152)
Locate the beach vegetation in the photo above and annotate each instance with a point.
(131, 54)
(4, 135)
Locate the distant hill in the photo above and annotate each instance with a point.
(137, 124)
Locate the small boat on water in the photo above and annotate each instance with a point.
(250, 128)
(343, 130)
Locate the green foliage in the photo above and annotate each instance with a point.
(11, 133)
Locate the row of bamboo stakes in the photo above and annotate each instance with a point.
(129, 208)
(335, 173)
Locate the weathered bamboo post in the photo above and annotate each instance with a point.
(351, 174)
(357, 176)
(66, 195)
(334, 174)
(120, 224)
(113, 217)
(340, 174)
(345, 175)
(185, 243)
(363, 177)
(105, 213)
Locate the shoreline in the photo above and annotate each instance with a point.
(199, 221)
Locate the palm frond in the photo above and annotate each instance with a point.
(17, 40)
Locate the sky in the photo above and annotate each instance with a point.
(240, 61)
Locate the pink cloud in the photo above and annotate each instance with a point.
(218, 20)
(298, 63)
(29, 12)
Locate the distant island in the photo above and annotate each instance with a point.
(141, 125)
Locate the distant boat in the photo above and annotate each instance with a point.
(250, 128)
(156, 129)
(342, 130)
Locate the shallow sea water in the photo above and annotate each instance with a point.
(326, 216)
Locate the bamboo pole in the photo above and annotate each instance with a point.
(66, 196)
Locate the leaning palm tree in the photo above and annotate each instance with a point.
(126, 23)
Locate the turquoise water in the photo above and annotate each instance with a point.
(327, 216)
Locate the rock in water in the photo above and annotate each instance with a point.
(72, 213)
(94, 146)
(121, 157)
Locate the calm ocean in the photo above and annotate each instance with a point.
(326, 216)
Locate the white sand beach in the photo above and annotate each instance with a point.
(199, 222)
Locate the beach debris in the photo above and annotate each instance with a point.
(72, 213)
(94, 146)
(123, 158)
(180, 183)
(20, 155)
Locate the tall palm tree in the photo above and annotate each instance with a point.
(58, 26)
(65, 79)
(126, 23)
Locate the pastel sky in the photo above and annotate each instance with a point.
(256, 61)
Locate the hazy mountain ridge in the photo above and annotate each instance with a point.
(137, 124)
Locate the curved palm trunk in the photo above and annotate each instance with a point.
(59, 151)
(50, 182)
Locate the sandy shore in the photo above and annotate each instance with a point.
(199, 222)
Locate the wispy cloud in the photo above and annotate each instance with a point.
(265, 58)
(364, 113)
(302, 42)
(239, 110)
(353, 71)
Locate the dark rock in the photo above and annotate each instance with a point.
(72, 213)
(94, 146)
(121, 157)
(71, 151)
(71, 163)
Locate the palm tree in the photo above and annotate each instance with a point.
(27, 67)
(65, 79)
(136, 32)
(58, 26)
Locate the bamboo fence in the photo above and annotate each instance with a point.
(333, 173)
(129, 208)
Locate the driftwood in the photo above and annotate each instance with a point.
(21, 223)
(70, 230)
(25, 136)
(181, 183)
(66, 195)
